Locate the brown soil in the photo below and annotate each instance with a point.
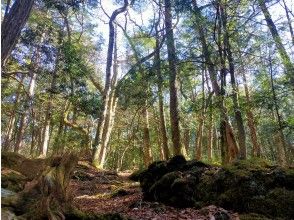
(102, 192)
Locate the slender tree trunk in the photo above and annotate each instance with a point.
(199, 140)
(147, 155)
(109, 114)
(289, 66)
(160, 101)
(281, 143)
(256, 149)
(215, 142)
(46, 126)
(235, 98)
(24, 114)
(210, 137)
(186, 139)
(173, 84)
(228, 142)
(12, 24)
(98, 151)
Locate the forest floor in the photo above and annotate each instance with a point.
(103, 192)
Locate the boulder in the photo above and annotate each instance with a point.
(245, 186)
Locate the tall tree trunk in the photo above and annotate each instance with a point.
(215, 142)
(256, 149)
(48, 113)
(289, 66)
(147, 155)
(109, 113)
(186, 139)
(199, 140)
(98, 151)
(210, 137)
(236, 106)
(281, 143)
(228, 142)
(173, 84)
(157, 64)
(13, 23)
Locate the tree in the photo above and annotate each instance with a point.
(173, 84)
(12, 24)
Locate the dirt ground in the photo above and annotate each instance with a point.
(104, 192)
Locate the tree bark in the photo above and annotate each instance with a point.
(157, 64)
(199, 137)
(235, 98)
(173, 84)
(279, 136)
(12, 25)
(147, 155)
(256, 149)
(46, 126)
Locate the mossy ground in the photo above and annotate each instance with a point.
(246, 186)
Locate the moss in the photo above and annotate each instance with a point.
(176, 163)
(135, 176)
(13, 180)
(252, 186)
(161, 190)
(252, 164)
(11, 160)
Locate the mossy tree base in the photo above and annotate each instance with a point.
(47, 196)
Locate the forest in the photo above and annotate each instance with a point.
(147, 109)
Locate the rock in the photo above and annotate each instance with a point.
(244, 186)
(176, 163)
(221, 215)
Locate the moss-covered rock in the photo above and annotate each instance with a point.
(244, 186)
